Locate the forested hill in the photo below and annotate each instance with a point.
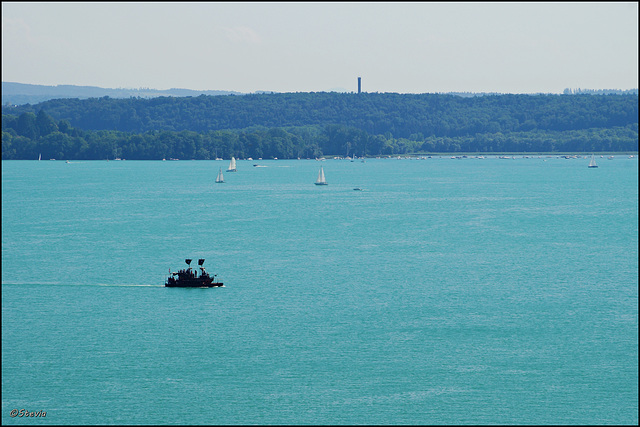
(400, 115)
(290, 125)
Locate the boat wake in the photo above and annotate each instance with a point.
(125, 285)
(31, 283)
(74, 284)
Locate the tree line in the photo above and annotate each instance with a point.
(308, 125)
(30, 136)
(376, 113)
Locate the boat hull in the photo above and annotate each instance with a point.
(192, 284)
(188, 281)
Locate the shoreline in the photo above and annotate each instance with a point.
(580, 154)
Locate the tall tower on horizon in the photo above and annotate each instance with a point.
(359, 84)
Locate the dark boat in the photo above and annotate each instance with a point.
(189, 278)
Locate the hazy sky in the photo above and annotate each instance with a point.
(313, 47)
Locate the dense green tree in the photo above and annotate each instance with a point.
(64, 126)
(58, 145)
(26, 125)
(8, 147)
(45, 123)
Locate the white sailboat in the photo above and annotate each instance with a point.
(39, 156)
(321, 179)
(592, 163)
(220, 178)
(232, 165)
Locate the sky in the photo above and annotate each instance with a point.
(412, 47)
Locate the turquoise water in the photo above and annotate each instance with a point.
(448, 291)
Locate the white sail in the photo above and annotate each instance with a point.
(592, 163)
(232, 165)
(321, 179)
(220, 178)
(40, 156)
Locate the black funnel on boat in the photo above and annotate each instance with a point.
(201, 261)
(188, 261)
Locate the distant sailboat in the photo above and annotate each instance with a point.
(232, 165)
(39, 156)
(321, 179)
(592, 163)
(220, 178)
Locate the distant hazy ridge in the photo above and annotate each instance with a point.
(20, 93)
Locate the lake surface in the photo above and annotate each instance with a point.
(447, 291)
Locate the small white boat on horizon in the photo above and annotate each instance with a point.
(220, 178)
(592, 163)
(232, 165)
(321, 179)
